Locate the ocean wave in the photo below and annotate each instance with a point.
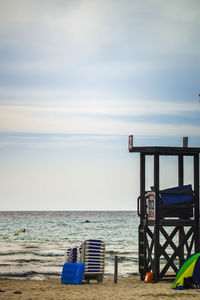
(38, 253)
(29, 274)
(21, 261)
(2, 253)
(50, 253)
(119, 253)
(4, 265)
(31, 247)
(42, 247)
(123, 258)
(112, 252)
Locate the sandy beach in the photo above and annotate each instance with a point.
(126, 288)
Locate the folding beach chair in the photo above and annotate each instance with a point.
(93, 256)
(73, 255)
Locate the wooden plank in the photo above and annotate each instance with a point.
(168, 237)
(176, 192)
(172, 222)
(166, 150)
(182, 211)
(189, 250)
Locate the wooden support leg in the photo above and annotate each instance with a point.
(181, 251)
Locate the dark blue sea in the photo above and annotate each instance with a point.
(32, 244)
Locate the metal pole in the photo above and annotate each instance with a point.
(116, 270)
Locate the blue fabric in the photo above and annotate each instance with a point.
(72, 273)
(179, 288)
(178, 198)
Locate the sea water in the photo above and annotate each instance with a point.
(33, 244)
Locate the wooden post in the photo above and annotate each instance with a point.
(185, 141)
(180, 183)
(181, 252)
(116, 270)
(180, 169)
(157, 220)
(142, 185)
(196, 197)
(141, 237)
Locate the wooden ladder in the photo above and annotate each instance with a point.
(142, 252)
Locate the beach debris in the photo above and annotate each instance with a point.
(148, 277)
(16, 233)
(17, 292)
(87, 221)
(24, 230)
(6, 237)
(2, 291)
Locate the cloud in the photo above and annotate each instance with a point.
(89, 117)
(84, 66)
(76, 74)
(126, 48)
(123, 30)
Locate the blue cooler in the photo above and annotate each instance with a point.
(72, 273)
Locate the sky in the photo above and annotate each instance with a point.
(77, 77)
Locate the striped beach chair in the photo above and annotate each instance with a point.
(93, 256)
(73, 255)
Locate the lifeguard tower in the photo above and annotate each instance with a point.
(169, 219)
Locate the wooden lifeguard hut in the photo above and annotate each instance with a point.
(169, 219)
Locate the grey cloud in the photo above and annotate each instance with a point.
(123, 47)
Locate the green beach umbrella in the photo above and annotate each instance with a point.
(190, 268)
